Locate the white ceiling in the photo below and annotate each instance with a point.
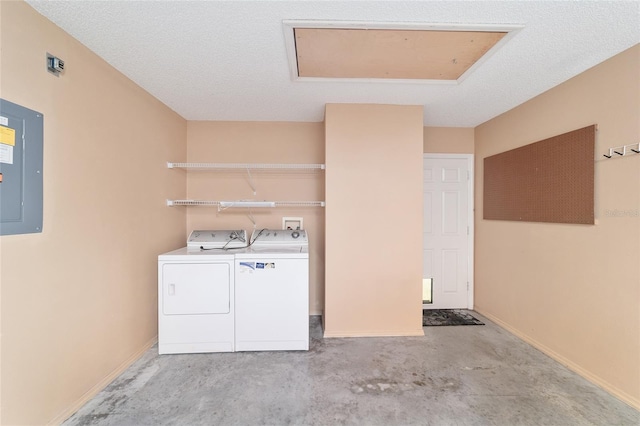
(226, 60)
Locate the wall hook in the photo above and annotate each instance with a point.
(623, 150)
(605, 155)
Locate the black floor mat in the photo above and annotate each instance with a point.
(435, 317)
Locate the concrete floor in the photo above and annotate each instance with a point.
(465, 375)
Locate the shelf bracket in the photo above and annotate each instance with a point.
(252, 219)
(251, 181)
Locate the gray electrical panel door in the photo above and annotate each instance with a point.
(21, 134)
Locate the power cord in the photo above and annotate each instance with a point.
(235, 236)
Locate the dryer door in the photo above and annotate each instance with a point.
(196, 288)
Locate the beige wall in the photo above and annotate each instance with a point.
(79, 300)
(260, 142)
(448, 140)
(572, 290)
(1, 96)
(373, 189)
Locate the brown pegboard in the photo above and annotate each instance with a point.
(547, 181)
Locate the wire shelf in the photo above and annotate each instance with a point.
(251, 166)
(299, 203)
(208, 203)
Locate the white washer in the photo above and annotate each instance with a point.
(272, 292)
(196, 295)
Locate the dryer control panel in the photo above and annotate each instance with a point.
(279, 237)
(217, 239)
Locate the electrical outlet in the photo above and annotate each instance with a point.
(292, 223)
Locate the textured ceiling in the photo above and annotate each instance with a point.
(227, 60)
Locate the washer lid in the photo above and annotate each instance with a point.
(234, 238)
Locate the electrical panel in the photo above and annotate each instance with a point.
(21, 156)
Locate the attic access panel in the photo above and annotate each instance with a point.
(405, 52)
(421, 55)
(21, 143)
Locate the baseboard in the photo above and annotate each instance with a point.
(383, 333)
(598, 381)
(68, 412)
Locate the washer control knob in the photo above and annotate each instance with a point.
(295, 234)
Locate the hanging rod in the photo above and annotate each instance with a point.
(624, 150)
(223, 166)
(245, 203)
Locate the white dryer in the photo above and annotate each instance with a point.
(217, 240)
(272, 292)
(196, 294)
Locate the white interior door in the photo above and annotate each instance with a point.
(448, 230)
